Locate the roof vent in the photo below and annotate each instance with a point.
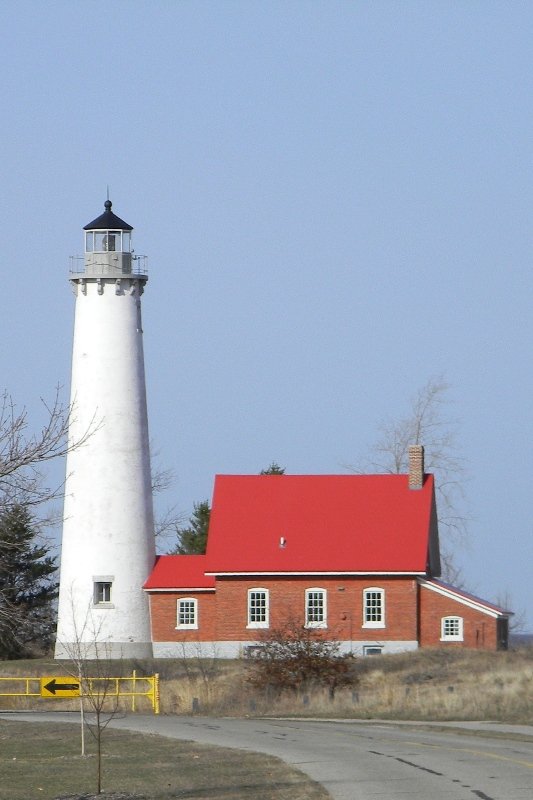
(282, 542)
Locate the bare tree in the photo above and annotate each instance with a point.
(89, 655)
(166, 522)
(428, 422)
(24, 454)
(23, 458)
(518, 621)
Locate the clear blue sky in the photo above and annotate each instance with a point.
(335, 198)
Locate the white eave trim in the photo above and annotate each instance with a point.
(478, 605)
(321, 573)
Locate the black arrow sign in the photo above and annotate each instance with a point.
(53, 687)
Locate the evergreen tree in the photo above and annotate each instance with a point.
(27, 586)
(273, 469)
(192, 540)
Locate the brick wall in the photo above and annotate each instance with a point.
(344, 606)
(163, 610)
(411, 612)
(223, 616)
(479, 629)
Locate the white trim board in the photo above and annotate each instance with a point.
(477, 605)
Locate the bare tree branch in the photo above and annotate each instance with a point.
(428, 423)
(167, 522)
(23, 454)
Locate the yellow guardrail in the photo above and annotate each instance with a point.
(25, 692)
(66, 687)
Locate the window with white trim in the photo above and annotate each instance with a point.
(258, 611)
(187, 613)
(316, 608)
(374, 607)
(451, 629)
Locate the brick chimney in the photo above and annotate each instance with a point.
(416, 466)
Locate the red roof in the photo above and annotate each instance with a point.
(287, 524)
(179, 573)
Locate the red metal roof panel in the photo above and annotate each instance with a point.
(179, 572)
(319, 523)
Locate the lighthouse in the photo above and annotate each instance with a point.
(108, 546)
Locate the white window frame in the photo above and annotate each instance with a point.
(368, 605)
(322, 595)
(96, 241)
(253, 596)
(458, 624)
(187, 625)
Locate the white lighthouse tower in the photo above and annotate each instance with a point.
(108, 546)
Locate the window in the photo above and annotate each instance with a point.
(102, 593)
(373, 608)
(315, 608)
(107, 241)
(257, 608)
(372, 650)
(451, 629)
(187, 613)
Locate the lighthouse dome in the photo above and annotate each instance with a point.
(108, 221)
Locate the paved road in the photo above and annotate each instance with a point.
(362, 761)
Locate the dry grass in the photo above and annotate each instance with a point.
(451, 684)
(424, 685)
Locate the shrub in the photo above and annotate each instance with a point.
(300, 659)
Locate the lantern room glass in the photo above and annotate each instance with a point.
(107, 241)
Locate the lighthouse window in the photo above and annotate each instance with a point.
(102, 592)
(110, 241)
(106, 241)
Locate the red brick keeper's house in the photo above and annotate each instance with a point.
(355, 556)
